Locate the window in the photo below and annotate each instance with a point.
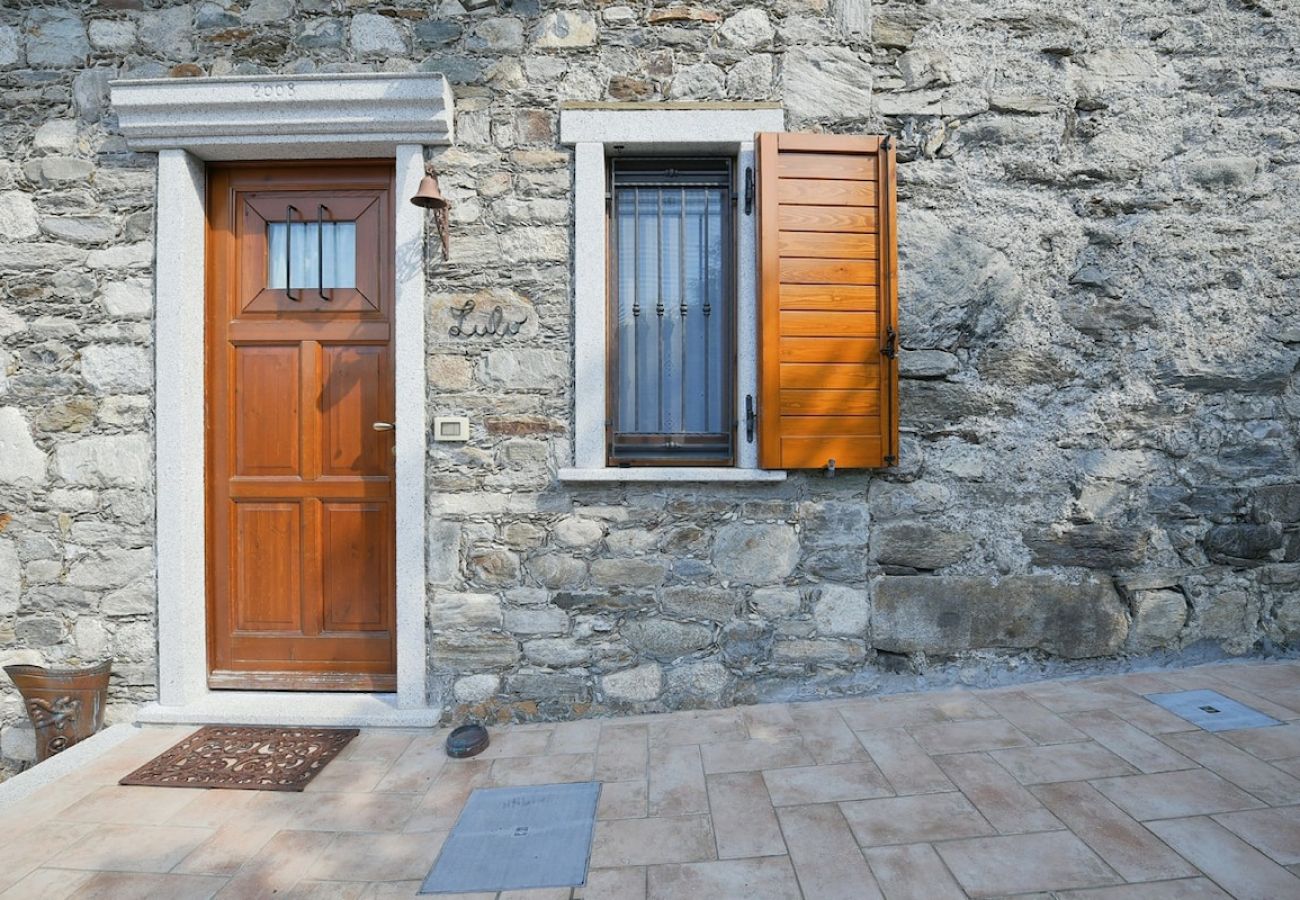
(671, 358)
(321, 254)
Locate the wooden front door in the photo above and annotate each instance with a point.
(300, 481)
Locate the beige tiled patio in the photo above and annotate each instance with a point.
(1079, 789)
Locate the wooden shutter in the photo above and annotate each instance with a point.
(828, 303)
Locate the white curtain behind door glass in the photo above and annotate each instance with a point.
(338, 268)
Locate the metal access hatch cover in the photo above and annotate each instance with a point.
(1211, 710)
(518, 838)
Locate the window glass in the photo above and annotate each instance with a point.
(311, 255)
(672, 307)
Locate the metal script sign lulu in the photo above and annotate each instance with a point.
(496, 325)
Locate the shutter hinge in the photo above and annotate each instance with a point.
(891, 342)
(830, 468)
(750, 418)
(885, 144)
(749, 190)
(891, 459)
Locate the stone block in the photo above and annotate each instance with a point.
(1158, 618)
(776, 602)
(443, 551)
(117, 368)
(557, 571)
(123, 460)
(56, 38)
(749, 29)
(113, 567)
(810, 652)
(552, 686)
(826, 83)
(11, 578)
(375, 35)
(1276, 503)
(666, 639)
(528, 369)
(11, 53)
(920, 546)
(640, 684)
(547, 620)
(494, 566)
(1091, 546)
(943, 615)
(473, 651)
(577, 532)
(18, 741)
(476, 688)
(557, 653)
(1243, 544)
(18, 216)
(564, 29)
(697, 602)
(24, 462)
(700, 681)
(627, 573)
(841, 610)
(926, 364)
(456, 610)
(745, 642)
(755, 554)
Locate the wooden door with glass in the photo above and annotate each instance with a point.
(300, 468)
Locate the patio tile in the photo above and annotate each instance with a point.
(1274, 742)
(769, 722)
(1234, 865)
(23, 851)
(537, 894)
(1134, 746)
(1276, 832)
(825, 784)
(232, 845)
(1125, 845)
(377, 745)
(1267, 678)
(912, 872)
(910, 820)
(121, 805)
(278, 866)
(889, 713)
(622, 800)
(133, 848)
(351, 775)
(212, 809)
(753, 756)
(825, 735)
(504, 743)
(614, 884)
(1153, 719)
(1014, 864)
(1265, 781)
(622, 753)
(767, 878)
(416, 768)
(1182, 889)
(903, 763)
(326, 890)
(439, 807)
(744, 822)
(1034, 720)
(961, 705)
(1172, 795)
(563, 769)
(1257, 702)
(1076, 696)
(46, 884)
(378, 857)
(1061, 762)
(578, 736)
(1008, 806)
(644, 842)
(676, 785)
(825, 854)
(410, 890)
(706, 727)
(968, 737)
(352, 812)
(139, 886)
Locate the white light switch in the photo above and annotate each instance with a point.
(451, 428)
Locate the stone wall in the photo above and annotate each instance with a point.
(1099, 310)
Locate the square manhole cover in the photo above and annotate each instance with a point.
(1211, 710)
(517, 838)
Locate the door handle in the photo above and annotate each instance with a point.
(383, 426)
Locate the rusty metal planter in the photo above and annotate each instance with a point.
(65, 705)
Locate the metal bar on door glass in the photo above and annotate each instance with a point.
(321, 208)
(288, 253)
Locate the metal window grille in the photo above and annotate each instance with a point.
(672, 312)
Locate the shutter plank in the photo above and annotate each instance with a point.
(812, 192)
(842, 166)
(827, 245)
(828, 296)
(857, 219)
(826, 260)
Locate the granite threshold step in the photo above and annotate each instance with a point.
(292, 708)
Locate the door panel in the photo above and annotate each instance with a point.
(300, 484)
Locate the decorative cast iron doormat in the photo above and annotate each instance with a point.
(241, 758)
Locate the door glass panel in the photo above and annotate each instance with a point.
(312, 255)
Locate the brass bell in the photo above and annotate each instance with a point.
(429, 196)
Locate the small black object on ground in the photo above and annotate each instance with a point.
(467, 740)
